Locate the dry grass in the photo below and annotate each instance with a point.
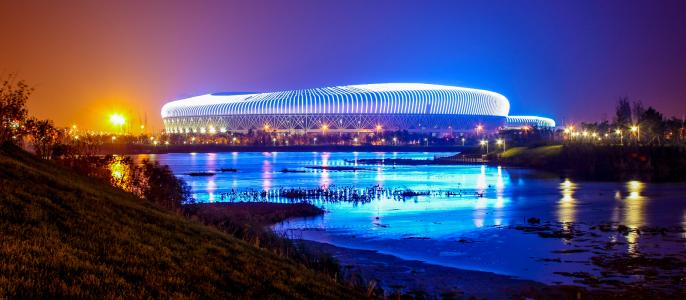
(64, 235)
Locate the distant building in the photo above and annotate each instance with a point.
(414, 107)
(518, 122)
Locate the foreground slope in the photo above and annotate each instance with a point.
(62, 234)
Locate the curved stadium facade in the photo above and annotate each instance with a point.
(353, 108)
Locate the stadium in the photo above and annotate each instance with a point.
(414, 107)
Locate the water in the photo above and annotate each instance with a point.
(464, 231)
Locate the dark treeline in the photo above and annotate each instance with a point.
(147, 180)
(634, 123)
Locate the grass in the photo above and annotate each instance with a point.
(603, 162)
(530, 153)
(67, 236)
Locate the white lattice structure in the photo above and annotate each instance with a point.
(369, 107)
(521, 121)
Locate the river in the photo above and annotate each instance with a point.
(469, 220)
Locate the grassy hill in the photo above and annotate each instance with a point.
(65, 235)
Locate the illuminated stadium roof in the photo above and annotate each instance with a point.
(521, 121)
(391, 106)
(387, 98)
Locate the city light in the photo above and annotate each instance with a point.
(325, 127)
(117, 119)
(484, 143)
(637, 130)
(378, 127)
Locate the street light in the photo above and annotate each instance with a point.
(636, 129)
(325, 128)
(500, 142)
(462, 141)
(479, 128)
(118, 120)
(484, 143)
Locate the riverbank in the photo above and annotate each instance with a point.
(585, 162)
(254, 213)
(65, 235)
(600, 162)
(131, 149)
(423, 280)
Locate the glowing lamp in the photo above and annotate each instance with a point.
(117, 119)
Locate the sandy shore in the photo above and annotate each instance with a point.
(412, 276)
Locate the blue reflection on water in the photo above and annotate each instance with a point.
(427, 227)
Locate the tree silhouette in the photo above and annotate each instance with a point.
(13, 96)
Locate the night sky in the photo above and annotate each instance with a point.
(567, 60)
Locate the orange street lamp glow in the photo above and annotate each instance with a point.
(378, 127)
(117, 119)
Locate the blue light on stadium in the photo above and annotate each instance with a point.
(414, 107)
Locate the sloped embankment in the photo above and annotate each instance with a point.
(65, 235)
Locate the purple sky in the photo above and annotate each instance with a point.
(567, 60)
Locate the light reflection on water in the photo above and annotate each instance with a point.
(489, 197)
(566, 210)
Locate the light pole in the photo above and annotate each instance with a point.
(637, 130)
(462, 142)
(501, 142)
(621, 136)
(484, 143)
